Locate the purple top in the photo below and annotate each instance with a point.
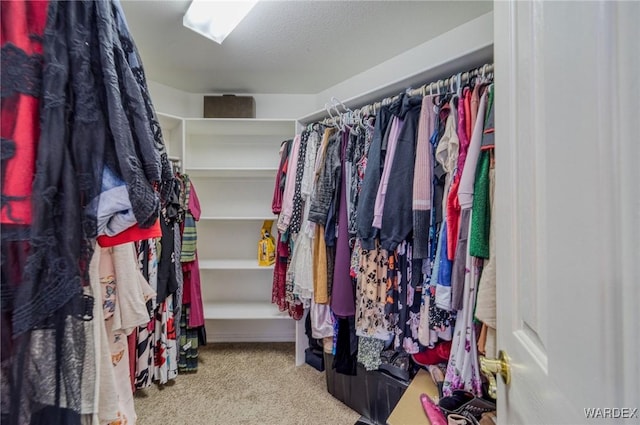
(342, 296)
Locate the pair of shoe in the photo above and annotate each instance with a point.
(487, 418)
(465, 404)
(437, 372)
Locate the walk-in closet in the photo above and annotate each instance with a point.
(320, 212)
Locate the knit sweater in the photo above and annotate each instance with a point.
(422, 181)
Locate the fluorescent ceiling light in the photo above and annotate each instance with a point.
(216, 19)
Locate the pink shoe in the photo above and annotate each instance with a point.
(433, 412)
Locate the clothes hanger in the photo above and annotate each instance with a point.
(327, 108)
(337, 102)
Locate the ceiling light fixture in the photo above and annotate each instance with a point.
(216, 19)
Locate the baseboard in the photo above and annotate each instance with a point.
(249, 338)
(250, 331)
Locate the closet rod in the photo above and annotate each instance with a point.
(432, 88)
(177, 163)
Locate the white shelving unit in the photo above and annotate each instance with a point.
(173, 134)
(233, 164)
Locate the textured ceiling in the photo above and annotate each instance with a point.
(287, 46)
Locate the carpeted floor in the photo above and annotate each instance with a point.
(244, 384)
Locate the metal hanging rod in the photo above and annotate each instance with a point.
(430, 89)
(176, 162)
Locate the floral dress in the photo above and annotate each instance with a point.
(462, 371)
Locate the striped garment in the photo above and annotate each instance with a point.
(189, 234)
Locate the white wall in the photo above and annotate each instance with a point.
(175, 102)
(465, 47)
(190, 105)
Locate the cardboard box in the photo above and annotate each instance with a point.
(409, 410)
(229, 106)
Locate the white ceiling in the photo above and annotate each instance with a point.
(287, 46)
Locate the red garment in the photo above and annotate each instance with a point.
(276, 202)
(467, 113)
(453, 205)
(23, 24)
(131, 344)
(438, 354)
(453, 218)
(192, 293)
(132, 234)
(194, 203)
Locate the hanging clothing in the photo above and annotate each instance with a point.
(356, 166)
(453, 204)
(289, 187)
(320, 267)
(52, 47)
(342, 294)
(463, 371)
(465, 197)
(328, 180)
(165, 366)
(192, 289)
(479, 244)
(21, 90)
(296, 214)
(276, 203)
(365, 231)
(394, 133)
(435, 323)
(188, 343)
(486, 303)
(345, 360)
(422, 178)
(321, 321)
(302, 256)
(192, 214)
(403, 298)
(106, 404)
(447, 156)
(371, 291)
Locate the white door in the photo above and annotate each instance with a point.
(568, 208)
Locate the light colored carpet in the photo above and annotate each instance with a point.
(244, 384)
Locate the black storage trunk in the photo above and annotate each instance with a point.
(373, 394)
(229, 106)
